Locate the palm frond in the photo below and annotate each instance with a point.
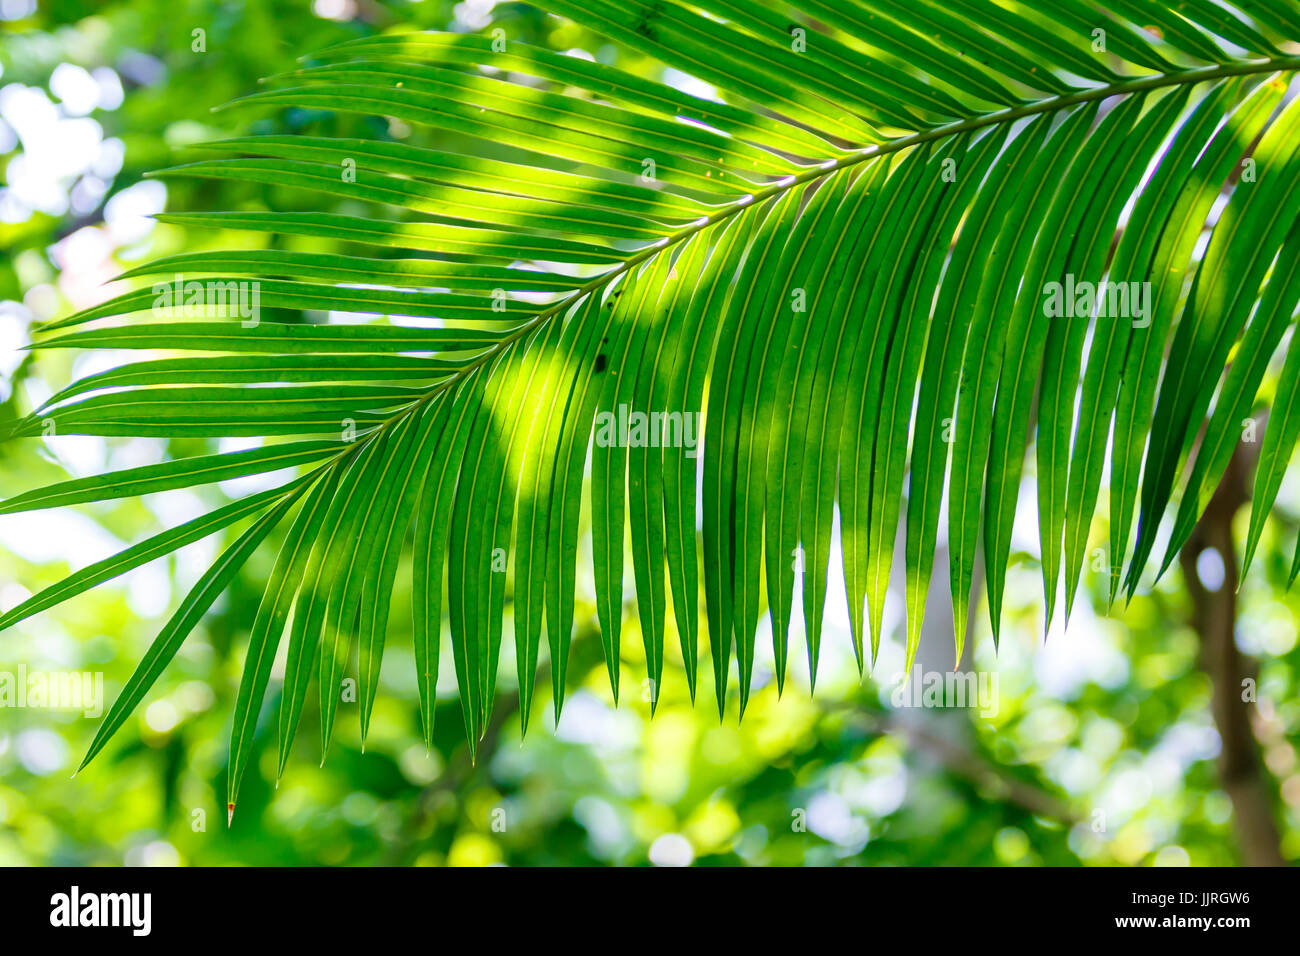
(840, 261)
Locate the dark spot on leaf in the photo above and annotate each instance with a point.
(601, 362)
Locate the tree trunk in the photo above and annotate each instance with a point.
(1214, 618)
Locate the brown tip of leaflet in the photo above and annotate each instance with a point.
(230, 813)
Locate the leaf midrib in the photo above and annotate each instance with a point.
(866, 154)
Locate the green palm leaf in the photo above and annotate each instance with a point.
(838, 268)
